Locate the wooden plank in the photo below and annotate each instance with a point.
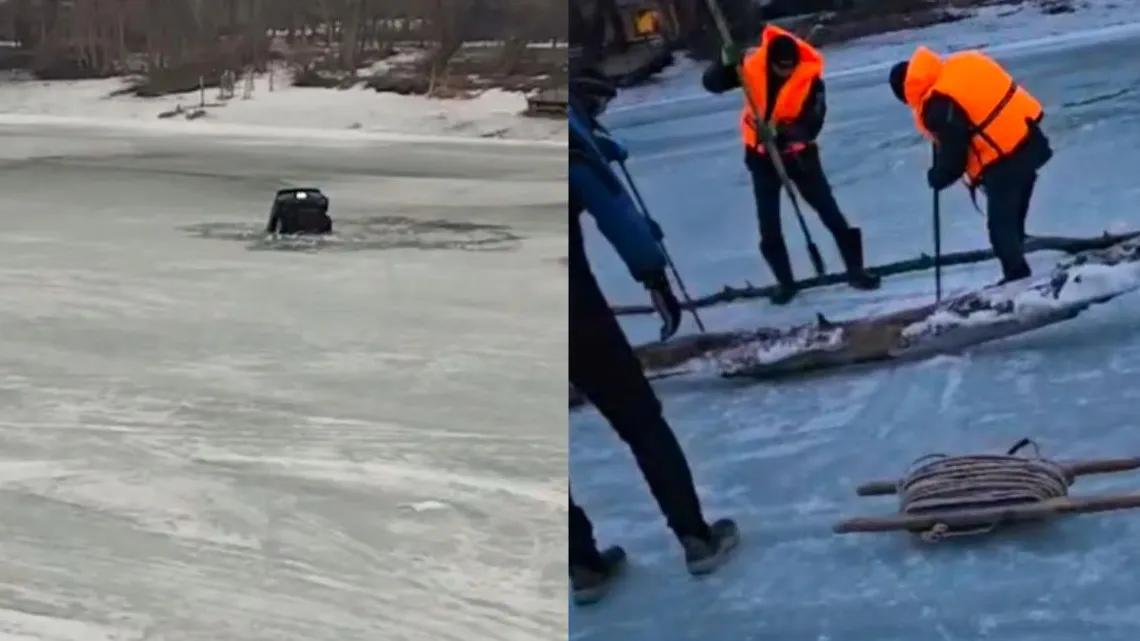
(964, 519)
(1074, 469)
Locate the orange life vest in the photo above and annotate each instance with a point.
(998, 108)
(791, 96)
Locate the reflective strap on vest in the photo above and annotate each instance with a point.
(980, 128)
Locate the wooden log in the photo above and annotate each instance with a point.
(1091, 504)
(1104, 466)
(877, 488)
(827, 344)
(1032, 244)
(1073, 469)
(993, 516)
(863, 341)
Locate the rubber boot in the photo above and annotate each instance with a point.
(851, 248)
(590, 584)
(777, 256)
(1019, 270)
(703, 556)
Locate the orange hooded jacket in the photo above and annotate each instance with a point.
(998, 108)
(792, 95)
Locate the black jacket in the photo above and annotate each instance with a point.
(720, 78)
(948, 122)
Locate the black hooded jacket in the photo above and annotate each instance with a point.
(720, 78)
(952, 128)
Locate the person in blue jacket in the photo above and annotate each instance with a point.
(604, 368)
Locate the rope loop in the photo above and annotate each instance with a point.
(939, 483)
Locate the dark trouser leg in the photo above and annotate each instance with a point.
(583, 548)
(604, 368)
(766, 189)
(1006, 207)
(1026, 196)
(806, 170)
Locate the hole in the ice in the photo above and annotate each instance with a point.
(362, 234)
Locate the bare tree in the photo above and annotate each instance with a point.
(100, 37)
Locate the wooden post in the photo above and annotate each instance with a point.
(202, 92)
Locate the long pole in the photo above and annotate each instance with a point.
(661, 243)
(769, 145)
(937, 241)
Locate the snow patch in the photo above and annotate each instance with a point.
(180, 508)
(24, 626)
(392, 474)
(1085, 284)
(797, 341)
(426, 506)
(1090, 282)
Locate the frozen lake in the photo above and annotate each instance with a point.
(784, 458)
(203, 438)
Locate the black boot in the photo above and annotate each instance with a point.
(776, 253)
(1014, 275)
(590, 583)
(851, 248)
(703, 556)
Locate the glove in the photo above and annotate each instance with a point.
(932, 179)
(730, 55)
(665, 303)
(769, 133)
(613, 150)
(655, 229)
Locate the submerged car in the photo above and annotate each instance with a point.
(300, 211)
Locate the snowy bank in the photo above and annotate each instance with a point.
(492, 115)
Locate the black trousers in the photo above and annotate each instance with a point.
(1007, 206)
(806, 172)
(605, 370)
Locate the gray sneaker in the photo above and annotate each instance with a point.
(703, 556)
(590, 584)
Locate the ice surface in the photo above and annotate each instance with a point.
(784, 458)
(203, 442)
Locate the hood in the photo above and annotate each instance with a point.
(809, 55)
(921, 73)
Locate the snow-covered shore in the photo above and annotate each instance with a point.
(351, 113)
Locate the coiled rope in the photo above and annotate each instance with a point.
(938, 483)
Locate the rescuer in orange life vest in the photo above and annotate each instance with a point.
(983, 125)
(783, 80)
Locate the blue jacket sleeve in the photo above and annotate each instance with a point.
(610, 147)
(618, 220)
(594, 185)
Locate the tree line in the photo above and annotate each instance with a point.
(106, 37)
